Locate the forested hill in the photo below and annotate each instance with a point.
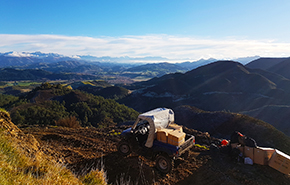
(51, 104)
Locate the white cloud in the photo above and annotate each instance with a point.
(172, 47)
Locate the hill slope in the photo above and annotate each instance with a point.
(278, 114)
(279, 66)
(23, 162)
(83, 147)
(282, 68)
(223, 124)
(223, 85)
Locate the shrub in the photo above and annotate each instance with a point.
(70, 122)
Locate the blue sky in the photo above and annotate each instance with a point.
(175, 29)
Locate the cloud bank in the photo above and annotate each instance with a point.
(167, 46)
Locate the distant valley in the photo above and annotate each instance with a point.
(98, 66)
(258, 87)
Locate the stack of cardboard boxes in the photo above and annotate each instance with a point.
(266, 156)
(173, 135)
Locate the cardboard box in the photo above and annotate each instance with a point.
(176, 138)
(249, 152)
(162, 134)
(263, 155)
(175, 127)
(280, 161)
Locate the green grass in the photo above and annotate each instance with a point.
(3, 110)
(17, 168)
(27, 83)
(23, 83)
(87, 83)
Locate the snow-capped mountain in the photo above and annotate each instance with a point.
(36, 54)
(13, 58)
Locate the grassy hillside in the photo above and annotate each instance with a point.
(21, 164)
(16, 168)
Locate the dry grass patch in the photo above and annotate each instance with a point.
(70, 122)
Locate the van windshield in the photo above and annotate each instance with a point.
(141, 122)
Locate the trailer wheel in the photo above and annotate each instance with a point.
(164, 163)
(124, 148)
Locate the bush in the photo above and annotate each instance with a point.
(70, 122)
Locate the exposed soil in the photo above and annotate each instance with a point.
(84, 149)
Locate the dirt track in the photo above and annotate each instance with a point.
(89, 148)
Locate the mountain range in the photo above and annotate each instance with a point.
(218, 86)
(123, 66)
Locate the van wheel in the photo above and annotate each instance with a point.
(164, 164)
(124, 148)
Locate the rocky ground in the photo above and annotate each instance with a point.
(89, 148)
